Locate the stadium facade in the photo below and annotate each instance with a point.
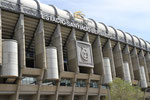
(50, 54)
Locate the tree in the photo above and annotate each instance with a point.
(121, 90)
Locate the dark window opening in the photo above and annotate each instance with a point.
(65, 66)
(81, 83)
(65, 82)
(84, 70)
(30, 61)
(49, 82)
(93, 84)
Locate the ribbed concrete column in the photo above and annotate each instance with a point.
(107, 52)
(72, 60)
(0, 38)
(57, 42)
(19, 35)
(98, 62)
(40, 51)
(98, 57)
(118, 59)
(127, 58)
(135, 64)
(40, 54)
(147, 58)
(143, 63)
(72, 52)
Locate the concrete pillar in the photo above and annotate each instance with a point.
(0, 38)
(98, 57)
(98, 63)
(99, 89)
(72, 60)
(118, 60)
(147, 58)
(72, 52)
(40, 54)
(127, 58)
(55, 96)
(57, 42)
(142, 62)
(135, 64)
(71, 97)
(107, 52)
(87, 87)
(40, 51)
(86, 38)
(19, 35)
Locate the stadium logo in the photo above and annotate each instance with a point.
(84, 54)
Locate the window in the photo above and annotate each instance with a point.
(28, 80)
(65, 82)
(49, 82)
(93, 84)
(81, 83)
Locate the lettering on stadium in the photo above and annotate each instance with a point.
(53, 18)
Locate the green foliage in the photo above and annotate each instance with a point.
(121, 90)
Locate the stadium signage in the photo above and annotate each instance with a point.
(49, 17)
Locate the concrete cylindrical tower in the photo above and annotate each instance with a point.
(127, 76)
(143, 77)
(52, 63)
(107, 71)
(10, 58)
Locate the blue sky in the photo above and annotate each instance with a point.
(131, 16)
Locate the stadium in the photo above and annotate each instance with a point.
(51, 54)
